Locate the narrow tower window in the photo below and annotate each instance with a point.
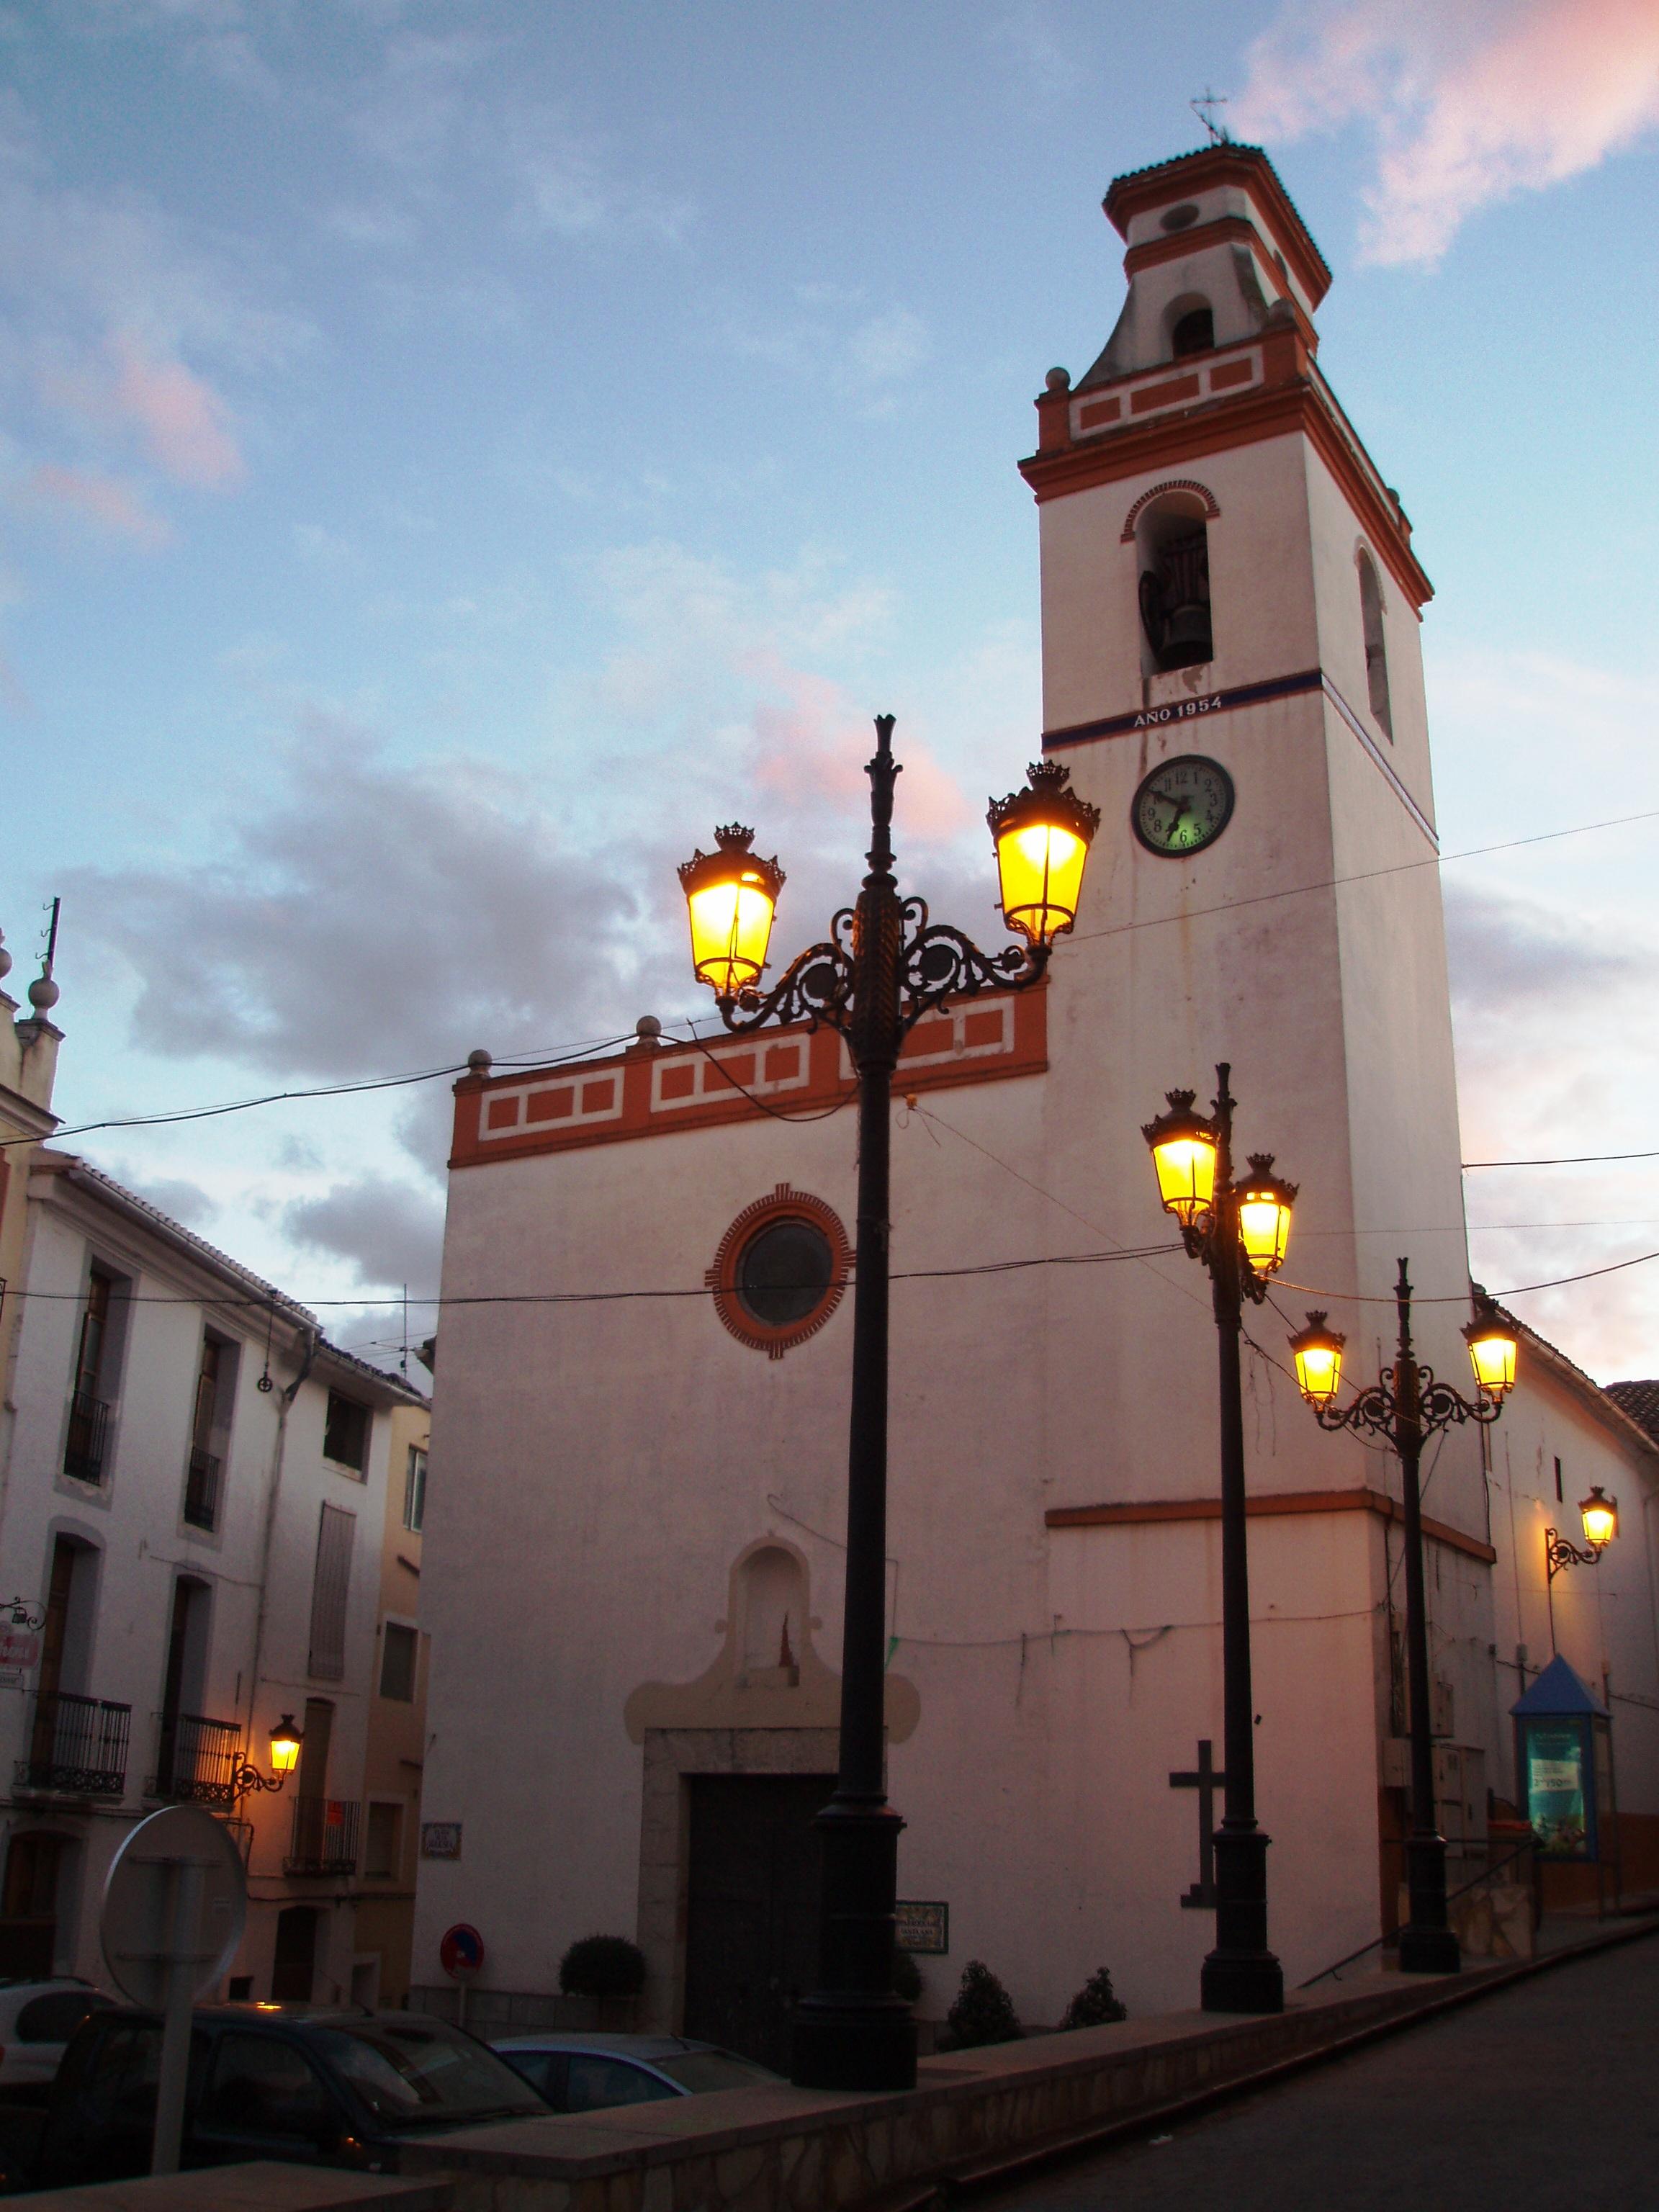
(1195, 332)
(1174, 546)
(1377, 653)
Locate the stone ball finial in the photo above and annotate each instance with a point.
(478, 1061)
(1059, 380)
(43, 993)
(5, 960)
(648, 1029)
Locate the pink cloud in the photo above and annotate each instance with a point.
(96, 498)
(184, 422)
(1471, 103)
(811, 751)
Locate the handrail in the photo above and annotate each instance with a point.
(1382, 1941)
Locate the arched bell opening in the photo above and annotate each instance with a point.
(1173, 544)
(1377, 651)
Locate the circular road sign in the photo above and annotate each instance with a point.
(175, 1894)
(461, 1953)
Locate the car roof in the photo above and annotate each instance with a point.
(254, 2014)
(602, 2043)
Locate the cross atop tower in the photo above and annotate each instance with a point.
(1204, 107)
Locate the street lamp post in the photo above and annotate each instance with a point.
(1237, 1228)
(883, 966)
(1407, 1404)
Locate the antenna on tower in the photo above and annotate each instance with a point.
(1204, 107)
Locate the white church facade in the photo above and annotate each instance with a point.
(633, 1570)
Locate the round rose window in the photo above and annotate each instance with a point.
(781, 1271)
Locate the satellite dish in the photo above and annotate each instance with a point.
(176, 1895)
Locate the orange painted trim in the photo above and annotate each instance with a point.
(1276, 409)
(1270, 1506)
(632, 1095)
(1172, 182)
(1175, 244)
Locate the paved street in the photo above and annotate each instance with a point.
(1543, 2099)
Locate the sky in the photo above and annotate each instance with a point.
(451, 455)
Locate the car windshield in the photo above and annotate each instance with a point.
(424, 2075)
(712, 2070)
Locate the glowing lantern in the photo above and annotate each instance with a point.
(1183, 1152)
(1264, 1214)
(1043, 834)
(1318, 1351)
(1601, 1516)
(285, 1746)
(731, 895)
(1492, 1345)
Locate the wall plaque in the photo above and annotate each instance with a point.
(924, 1928)
(441, 1839)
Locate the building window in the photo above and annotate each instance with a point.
(345, 1432)
(414, 1489)
(209, 1419)
(399, 1658)
(329, 1588)
(1377, 653)
(85, 1445)
(780, 1271)
(1193, 332)
(380, 1846)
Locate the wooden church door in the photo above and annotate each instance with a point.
(751, 1949)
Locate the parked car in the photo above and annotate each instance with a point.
(313, 2085)
(37, 2020)
(578, 2073)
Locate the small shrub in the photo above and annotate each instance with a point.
(907, 1977)
(983, 2011)
(603, 1966)
(1096, 2004)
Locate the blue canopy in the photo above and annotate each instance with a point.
(1558, 1692)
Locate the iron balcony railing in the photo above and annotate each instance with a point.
(202, 1489)
(324, 1838)
(195, 1760)
(78, 1745)
(89, 1430)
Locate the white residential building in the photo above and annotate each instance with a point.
(193, 1502)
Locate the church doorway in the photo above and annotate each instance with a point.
(751, 1947)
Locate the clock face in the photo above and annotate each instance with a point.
(1182, 805)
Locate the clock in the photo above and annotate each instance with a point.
(1182, 805)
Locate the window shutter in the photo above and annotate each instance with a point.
(329, 1590)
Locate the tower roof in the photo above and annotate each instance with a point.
(1140, 190)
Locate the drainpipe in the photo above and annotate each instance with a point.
(310, 1342)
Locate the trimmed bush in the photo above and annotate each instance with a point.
(602, 1966)
(907, 1977)
(1096, 2004)
(983, 2011)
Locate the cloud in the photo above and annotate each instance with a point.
(366, 916)
(184, 422)
(1470, 104)
(181, 1199)
(91, 496)
(1026, 39)
(1511, 958)
(832, 338)
(390, 1232)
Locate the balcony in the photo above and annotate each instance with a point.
(202, 1489)
(89, 1430)
(324, 1838)
(197, 1760)
(77, 1745)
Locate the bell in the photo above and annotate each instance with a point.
(1187, 636)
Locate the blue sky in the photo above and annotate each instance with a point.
(452, 454)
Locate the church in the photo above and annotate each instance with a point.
(634, 1551)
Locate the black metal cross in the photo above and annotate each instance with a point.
(1207, 1781)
